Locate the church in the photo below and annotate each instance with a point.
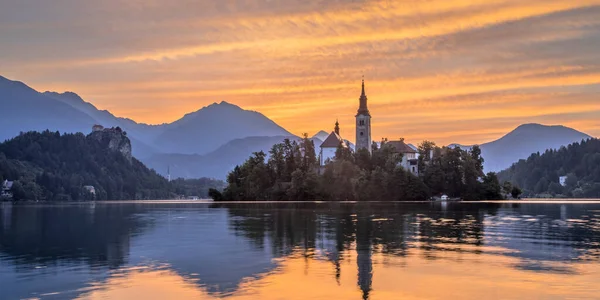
(364, 139)
(363, 132)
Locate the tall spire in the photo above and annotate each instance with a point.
(363, 86)
(337, 127)
(362, 108)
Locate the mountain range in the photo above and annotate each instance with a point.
(199, 132)
(212, 140)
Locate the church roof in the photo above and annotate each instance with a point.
(333, 141)
(402, 147)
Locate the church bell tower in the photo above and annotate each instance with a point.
(363, 123)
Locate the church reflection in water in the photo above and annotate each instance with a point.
(243, 250)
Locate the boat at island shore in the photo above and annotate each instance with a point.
(444, 198)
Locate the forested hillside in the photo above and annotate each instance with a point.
(51, 166)
(539, 175)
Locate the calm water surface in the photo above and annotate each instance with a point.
(300, 251)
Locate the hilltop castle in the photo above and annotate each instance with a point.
(113, 138)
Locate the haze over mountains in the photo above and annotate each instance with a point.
(24, 109)
(141, 135)
(524, 140)
(198, 132)
(212, 126)
(211, 141)
(321, 135)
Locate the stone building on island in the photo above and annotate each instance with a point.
(364, 139)
(5, 190)
(410, 156)
(363, 132)
(330, 145)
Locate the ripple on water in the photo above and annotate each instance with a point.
(317, 251)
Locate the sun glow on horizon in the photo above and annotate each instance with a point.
(448, 71)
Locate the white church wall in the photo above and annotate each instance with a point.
(327, 153)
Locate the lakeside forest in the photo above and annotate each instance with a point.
(50, 166)
(539, 174)
(291, 172)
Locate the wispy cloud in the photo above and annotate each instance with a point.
(450, 70)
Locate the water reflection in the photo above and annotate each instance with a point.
(299, 250)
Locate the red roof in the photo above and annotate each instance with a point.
(333, 141)
(401, 147)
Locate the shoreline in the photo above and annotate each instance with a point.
(210, 201)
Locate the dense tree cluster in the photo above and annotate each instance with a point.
(539, 175)
(457, 173)
(51, 166)
(291, 172)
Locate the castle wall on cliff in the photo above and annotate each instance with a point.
(114, 139)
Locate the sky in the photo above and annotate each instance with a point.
(451, 71)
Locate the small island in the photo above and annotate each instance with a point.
(292, 172)
(385, 171)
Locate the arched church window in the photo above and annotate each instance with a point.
(361, 133)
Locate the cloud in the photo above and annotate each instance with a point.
(443, 63)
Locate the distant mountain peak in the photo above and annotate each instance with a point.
(525, 125)
(14, 83)
(321, 135)
(227, 103)
(535, 129)
(214, 125)
(74, 100)
(537, 126)
(525, 139)
(223, 105)
(68, 95)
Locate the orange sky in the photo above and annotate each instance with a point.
(443, 70)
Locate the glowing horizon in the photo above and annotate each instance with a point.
(448, 71)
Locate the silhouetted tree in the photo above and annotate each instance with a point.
(359, 176)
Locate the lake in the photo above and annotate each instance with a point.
(280, 250)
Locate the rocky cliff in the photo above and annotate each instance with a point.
(113, 139)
